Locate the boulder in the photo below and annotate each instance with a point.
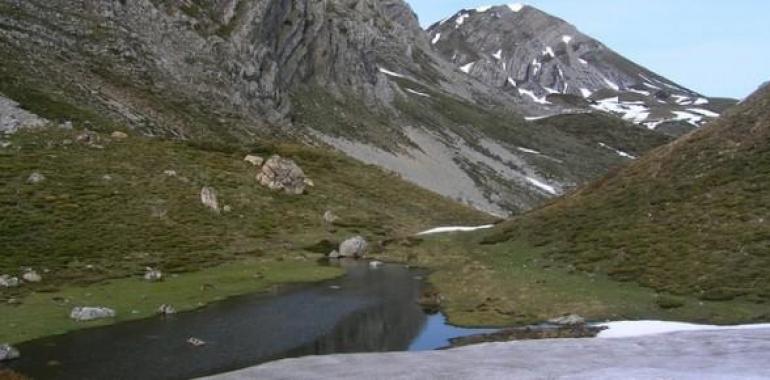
(153, 275)
(335, 254)
(354, 247)
(568, 320)
(330, 217)
(87, 137)
(118, 135)
(196, 342)
(5, 144)
(7, 281)
(35, 178)
(283, 174)
(170, 173)
(166, 310)
(254, 160)
(88, 313)
(31, 276)
(209, 198)
(8, 352)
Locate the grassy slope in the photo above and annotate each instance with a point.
(85, 229)
(689, 219)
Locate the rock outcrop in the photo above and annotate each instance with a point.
(13, 117)
(209, 198)
(254, 160)
(282, 174)
(84, 314)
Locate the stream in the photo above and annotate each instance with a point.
(366, 310)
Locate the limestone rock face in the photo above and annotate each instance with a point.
(283, 174)
(13, 117)
(83, 314)
(209, 198)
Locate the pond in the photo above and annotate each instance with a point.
(366, 310)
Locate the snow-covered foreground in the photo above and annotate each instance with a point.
(441, 230)
(701, 355)
(626, 329)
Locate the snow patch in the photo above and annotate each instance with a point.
(436, 38)
(467, 68)
(516, 7)
(618, 151)
(583, 61)
(390, 73)
(627, 329)
(498, 55)
(441, 230)
(704, 112)
(460, 20)
(636, 112)
(586, 92)
(612, 84)
(527, 150)
(533, 96)
(549, 51)
(409, 90)
(512, 81)
(566, 38)
(542, 185)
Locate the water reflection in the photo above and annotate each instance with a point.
(367, 310)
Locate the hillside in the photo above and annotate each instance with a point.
(550, 63)
(689, 218)
(358, 76)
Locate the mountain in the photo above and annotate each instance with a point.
(689, 218)
(359, 76)
(549, 63)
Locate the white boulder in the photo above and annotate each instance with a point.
(209, 198)
(354, 247)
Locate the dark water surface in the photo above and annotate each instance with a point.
(367, 310)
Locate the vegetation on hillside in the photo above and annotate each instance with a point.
(691, 218)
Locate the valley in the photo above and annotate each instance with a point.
(239, 182)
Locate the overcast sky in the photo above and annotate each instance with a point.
(719, 48)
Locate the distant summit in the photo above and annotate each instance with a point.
(550, 63)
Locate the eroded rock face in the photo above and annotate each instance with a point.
(13, 117)
(83, 314)
(282, 174)
(209, 198)
(355, 247)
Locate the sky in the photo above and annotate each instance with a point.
(715, 47)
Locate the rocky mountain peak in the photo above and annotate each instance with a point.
(551, 64)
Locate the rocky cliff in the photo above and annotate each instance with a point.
(357, 75)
